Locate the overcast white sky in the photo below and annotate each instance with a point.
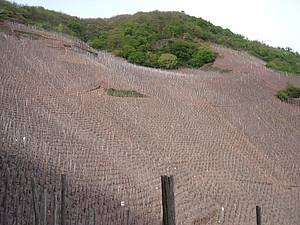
(275, 22)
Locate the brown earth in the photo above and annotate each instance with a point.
(222, 133)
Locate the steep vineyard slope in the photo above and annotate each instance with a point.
(229, 142)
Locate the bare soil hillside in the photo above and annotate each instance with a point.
(228, 141)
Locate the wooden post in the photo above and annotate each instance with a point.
(258, 215)
(35, 202)
(87, 218)
(168, 200)
(164, 202)
(45, 207)
(128, 217)
(5, 199)
(17, 213)
(63, 199)
(172, 199)
(94, 217)
(55, 209)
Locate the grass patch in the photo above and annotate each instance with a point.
(290, 92)
(210, 67)
(123, 93)
(4, 28)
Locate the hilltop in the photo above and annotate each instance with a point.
(155, 39)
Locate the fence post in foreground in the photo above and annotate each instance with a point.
(55, 209)
(258, 215)
(63, 199)
(35, 200)
(5, 199)
(45, 207)
(168, 200)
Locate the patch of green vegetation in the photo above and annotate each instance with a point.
(167, 61)
(189, 54)
(290, 92)
(123, 93)
(211, 67)
(142, 38)
(4, 29)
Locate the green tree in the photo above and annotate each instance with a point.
(151, 59)
(202, 56)
(182, 49)
(137, 57)
(167, 61)
(75, 27)
(4, 14)
(172, 30)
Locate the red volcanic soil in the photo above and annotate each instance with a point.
(228, 141)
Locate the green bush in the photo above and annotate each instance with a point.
(183, 50)
(172, 30)
(202, 56)
(290, 92)
(123, 93)
(282, 95)
(4, 14)
(98, 43)
(189, 54)
(137, 57)
(167, 61)
(151, 59)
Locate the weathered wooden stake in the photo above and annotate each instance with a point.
(35, 202)
(63, 199)
(258, 215)
(5, 199)
(87, 216)
(168, 200)
(128, 217)
(94, 217)
(55, 209)
(45, 207)
(17, 213)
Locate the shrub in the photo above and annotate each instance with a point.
(202, 56)
(183, 50)
(167, 61)
(127, 50)
(98, 43)
(282, 95)
(4, 14)
(190, 54)
(75, 27)
(137, 57)
(290, 92)
(123, 93)
(151, 59)
(172, 30)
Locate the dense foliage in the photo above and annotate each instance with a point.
(123, 93)
(143, 38)
(142, 44)
(290, 92)
(167, 61)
